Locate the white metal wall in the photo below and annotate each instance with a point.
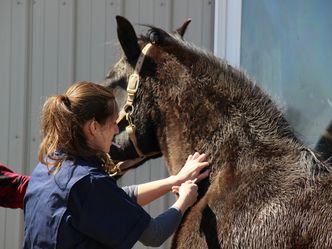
(45, 45)
(13, 96)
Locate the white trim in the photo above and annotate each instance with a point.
(220, 28)
(227, 30)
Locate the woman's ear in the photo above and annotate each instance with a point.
(90, 128)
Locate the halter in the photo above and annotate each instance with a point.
(126, 112)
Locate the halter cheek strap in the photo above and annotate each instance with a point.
(126, 112)
(133, 84)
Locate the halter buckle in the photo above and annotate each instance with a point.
(133, 83)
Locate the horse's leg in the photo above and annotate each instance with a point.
(199, 228)
(208, 228)
(195, 230)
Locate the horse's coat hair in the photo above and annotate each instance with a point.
(324, 144)
(266, 189)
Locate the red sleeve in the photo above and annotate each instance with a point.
(12, 187)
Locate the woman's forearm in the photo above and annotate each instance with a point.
(161, 228)
(150, 191)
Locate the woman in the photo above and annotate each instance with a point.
(71, 202)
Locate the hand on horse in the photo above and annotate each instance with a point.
(193, 169)
(187, 193)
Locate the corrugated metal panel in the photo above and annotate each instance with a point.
(45, 45)
(51, 60)
(13, 107)
(5, 40)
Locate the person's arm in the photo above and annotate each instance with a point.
(131, 191)
(13, 187)
(150, 191)
(163, 226)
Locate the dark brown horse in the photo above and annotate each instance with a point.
(266, 189)
(324, 144)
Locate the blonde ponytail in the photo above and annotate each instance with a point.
(63, 118)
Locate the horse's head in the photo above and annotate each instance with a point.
(139, 133)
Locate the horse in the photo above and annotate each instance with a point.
(324, 144)
(266, 188)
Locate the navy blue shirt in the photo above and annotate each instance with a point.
(80, 206)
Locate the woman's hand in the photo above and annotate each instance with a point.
(187, 193)
(150, 191)
(192, 169)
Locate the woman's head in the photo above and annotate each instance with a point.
(80, 122)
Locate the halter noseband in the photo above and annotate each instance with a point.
(126, 112)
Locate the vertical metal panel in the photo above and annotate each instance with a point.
(162, 14)
(36, 80)
(207, 36)
(17, 108)
(2, 228)
(51, 48)
(17, 121)
(18, 52)
(95, 37)
(51, 60)
(131, 10)
(220, 29)
(83, 40)
(66, 44)
(112, 46)
(5, 41)
(98, 39)
(179, 12)
(200, 30)
(195, 10)
(146, 14)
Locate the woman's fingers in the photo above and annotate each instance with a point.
(196, 155)
(201, 157)
(204, 175)
(203, 165)
(192, 168)
(175, 189)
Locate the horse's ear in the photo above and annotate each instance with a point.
(127, 38)
(182, 30)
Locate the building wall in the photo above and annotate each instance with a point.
(46, 45)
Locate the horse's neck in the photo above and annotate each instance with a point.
(173, 146)
(209, 106)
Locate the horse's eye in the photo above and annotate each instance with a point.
(154, 37)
